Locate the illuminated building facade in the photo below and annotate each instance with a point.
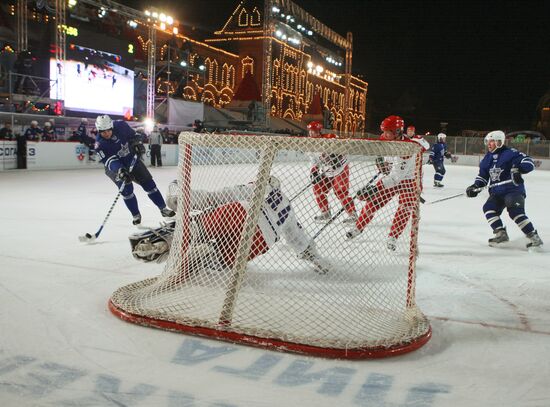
(300, 57)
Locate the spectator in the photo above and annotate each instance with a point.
(6, 133)
(33, 133)
(82, 136)
(155, 144)
(198, 126)
(48, 133)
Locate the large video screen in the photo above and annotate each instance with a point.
(95, 81)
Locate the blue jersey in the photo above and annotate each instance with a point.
(33, 134)
(116, 152)
(437, 154)
(496, 166)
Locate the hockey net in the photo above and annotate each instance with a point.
(362, 306)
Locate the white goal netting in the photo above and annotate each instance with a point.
(267, 249)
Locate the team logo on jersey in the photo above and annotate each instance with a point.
(494, 173)
(124, 150)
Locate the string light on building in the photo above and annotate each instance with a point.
(132, 23)
(102, 12)
(275, 9)
(71, 3)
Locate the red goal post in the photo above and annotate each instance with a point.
(226, 277)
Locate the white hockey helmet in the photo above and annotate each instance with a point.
(103, 122)
(84, 120)
(34, 123)
(47, 124)
(442, 136)
(497, 136)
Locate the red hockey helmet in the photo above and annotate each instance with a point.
(392, 123)
(315, 128)
(411, 128)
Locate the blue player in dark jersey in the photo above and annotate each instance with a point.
(437, 156)
(88, 141)
(503, 167)
(117, 145)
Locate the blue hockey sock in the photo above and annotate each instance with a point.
(154, 194)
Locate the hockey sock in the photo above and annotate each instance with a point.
(154, 194)
(494, 219)
(523, 223)
(130, 199)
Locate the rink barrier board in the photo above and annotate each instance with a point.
(69, 155)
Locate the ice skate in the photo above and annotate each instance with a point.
(167, 212)
(353, 233)
(136, 219)
(350, 220)
(438, 184)
(500, 237)
(311, 254)
(536, 243)
(324, 217)
(391, 243)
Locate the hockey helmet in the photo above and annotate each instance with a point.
(314, 129)
(47, 124)
(103, 122)
(392, 123)
(442, 137)
(34, 123)
(497, 136)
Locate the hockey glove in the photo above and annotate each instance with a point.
(123, 175)
(367, 192)
(472, 191)
(315, 176)
(138, 148)
(430, 162)
(382, 166)
(447, 154)
(517, 179)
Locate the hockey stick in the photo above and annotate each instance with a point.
(304, 189)
(89, 237)
(464, 193)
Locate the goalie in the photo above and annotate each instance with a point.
(216, 230)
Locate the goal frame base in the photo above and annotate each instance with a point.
(274, 344)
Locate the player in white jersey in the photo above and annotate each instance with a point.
(330, 171)
(217, 229)
(397, 177)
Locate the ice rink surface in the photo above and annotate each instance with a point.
(60, 346)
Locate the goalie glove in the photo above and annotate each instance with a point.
(123, 175)
(472, 191)
(515, 174)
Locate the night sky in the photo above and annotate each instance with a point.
(474, 64)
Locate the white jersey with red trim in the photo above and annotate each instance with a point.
(402, 168)
(277, 218)
(329, 164)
